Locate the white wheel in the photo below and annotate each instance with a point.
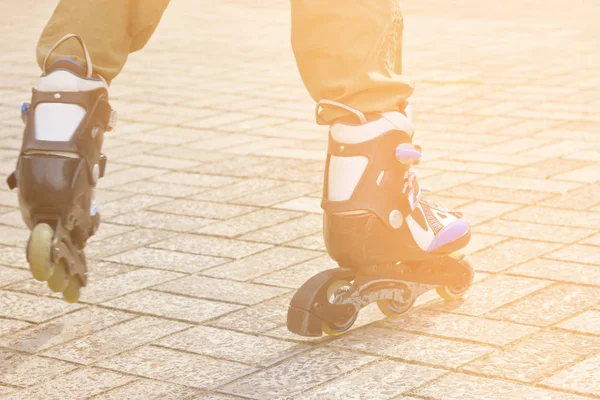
(39, 252)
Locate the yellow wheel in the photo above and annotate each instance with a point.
(453, 293)
(60, 277)
(39, 252)
(395, 309)
(73, 290)
(334, 289)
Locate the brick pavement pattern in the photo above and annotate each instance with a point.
(212, 219)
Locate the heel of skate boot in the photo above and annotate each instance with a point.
(303, 323)
(39, 252)
(311, 311)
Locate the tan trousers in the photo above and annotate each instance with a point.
(349, 51)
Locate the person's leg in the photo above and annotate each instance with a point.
(111, 29)
(375, 223)
(351, 52)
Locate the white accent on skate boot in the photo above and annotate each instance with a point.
(396, 219)
(344, 175)
(422, 237)
(351, 134)
(57, 122)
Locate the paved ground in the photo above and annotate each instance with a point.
(212, 215)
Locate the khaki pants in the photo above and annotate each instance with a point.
(349, 51)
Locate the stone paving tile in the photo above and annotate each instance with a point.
(232, 346)
(114, 340)
(560, 271)
(411, 347)
(20, 370)
(214, 396)
(9, 276)
(305, 204)
(146, 389)
(64, 329)
(491, 294)
(79, 384)
(291, 378)
(202, 209)
(310, 242)
(127, 241)
(192, 179)
(550, 305)
(107, 230)
(239, 190)
(577, 253)
(168, 305)
(167, 260)
(258, 318)
(461, 386)
(268, 261)
(287, 231)
(32, 308)
(130, 175)
(379, 381)
(13, 256)
(537, 357)
(509, 253)
(187, 369)
(527, 230)
(594, 240)
(578, 199)
(491, 193)
(10, 236)
(583, 377)
(481, 211)
(164, 221)
(551, 216)
(118, 285)
(295, 276)
(211, 246)
(588, 322)
(248, 222)
(10, 326)
(166, 189)
(277, 195)
(498, 333)
(221, 289)
(587, 174)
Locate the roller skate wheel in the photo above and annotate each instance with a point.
(394, 309)
(39, 252)
(60, 277)
(73, 290)
(449, 293)
(334, 289)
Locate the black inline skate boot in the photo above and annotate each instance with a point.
(392, 245)
(58, 168)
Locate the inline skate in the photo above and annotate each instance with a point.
(58, 167)
(391, 244)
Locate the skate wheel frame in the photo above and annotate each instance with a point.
(39, 252)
